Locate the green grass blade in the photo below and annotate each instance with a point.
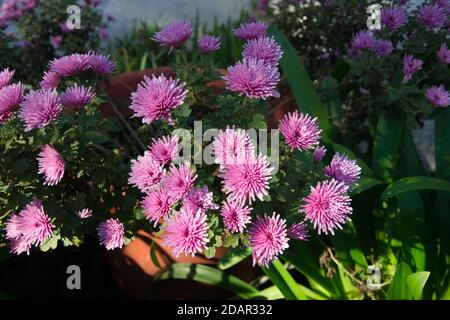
(233, 256)
(399, 289)
(415, 183)
(416, 282)
(284, 281)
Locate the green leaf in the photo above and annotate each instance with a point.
(399, 289)
(364, 184)
(234, 256)
(50, 243)
(95, 137)
(415, 183)
(207, 275)
(153, 255)
(416, 283)
(284, 281)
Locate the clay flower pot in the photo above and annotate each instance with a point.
(132, 265)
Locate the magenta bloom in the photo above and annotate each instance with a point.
(393, 18)
(343, 169)
(432, 16)
(444, 4)
(84, 214)
(319, 153)
(207, 44)
(164, 149)
(383, 47)
(39, 108)
(157, 205)
(235, 216)
(76, 97)
(103, 33)
(438, 96)
(30, 227)
(263, 48)
(100, 64)
(70, 65)
(268, 239)
(410, 66)
(50, 80)
(186, 232)
(232, 146)
(251, 30)
(111, 233)
(156, 97)
(10, 97)
(174, 34)
(300, 131)
(6, 77)
(253, 78)
(247, 180)
(5, 116)
(444, 54)
(327, 206)
(298, 231)
(363, 40)
(180, 180)
(200, 199)
(146, 173)
(51, 165)
(56, 41)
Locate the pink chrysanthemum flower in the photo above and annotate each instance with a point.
(300, 131)
(393, 18)
(383, 47)
(327, 206)
(50, 80)
(174, 34)
(319, 153)
(251, 30)
(77, 97)
(444, 54)
(164, 149)
(39, 108)
(444, 4)
(156, 205)
(30, 227)
(235, 216)
(263, 48)
(253, 78)
(111, 233)
(70, 65)
(146, 173)
(432, 16)
(207, 44)
(179, 180)
(200, 199)
(410, 66)
(268, 239)
(363, 40)
(51, 165)
(156, 97)
(248, 180)
(10, 97)
(232, 146)
(343, 169)
(4, 116)
(186, 232)
(438, 96)
(101, 64)
(6, 77)
(298, 231)
(84, 214)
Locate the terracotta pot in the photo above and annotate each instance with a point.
(132, 266)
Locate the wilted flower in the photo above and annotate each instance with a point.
(51, 165)
(438, 96)
(300, 131)
(84, 214)
(410, 66)
(235, 215)
(343, 169)
(6, 77)
(444, 54)
(174, 34)
(268, 239)
(156, 205)
(164, 149)
(298, 231)
(179, 180)
(39, 108)
(251, 30)
(50, 80)
(327, 206)
(263, 48)
(111, 233)
(232, 146)
(363, 40)
(200, 199)
(146, 173)
(187, 232)
(207, 44)
(253, 78)
(319, 153)
(393, 18)
(432, 16)
(77, 97)
(156, 97)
